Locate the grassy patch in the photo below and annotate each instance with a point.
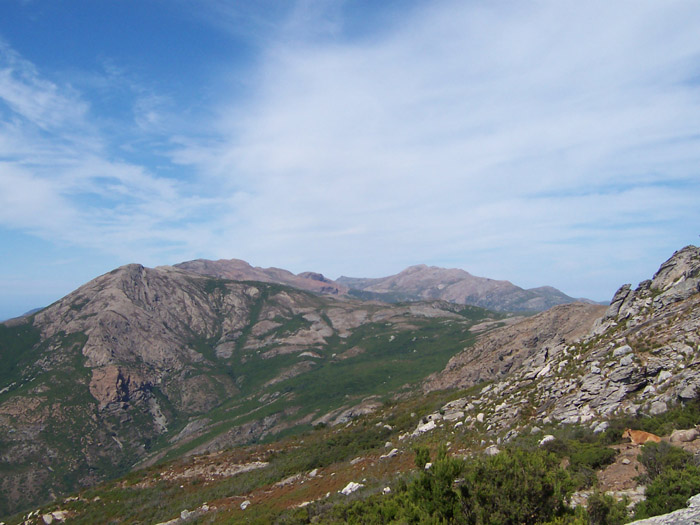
(17, 350)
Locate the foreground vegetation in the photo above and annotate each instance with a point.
(440, 477)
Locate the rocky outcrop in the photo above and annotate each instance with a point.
(111, 384)
(641, 355)
(532, 342)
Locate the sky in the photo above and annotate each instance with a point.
(545, 142)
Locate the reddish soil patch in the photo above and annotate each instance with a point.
(620, 475)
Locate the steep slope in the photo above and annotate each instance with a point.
(505, 350)
(144, 363)
(423, 282)
(238, 270)
(640, 357)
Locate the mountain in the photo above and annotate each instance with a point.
(165, 374)
(141, 364)
(238, 270)
(423, 282)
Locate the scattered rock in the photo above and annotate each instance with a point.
(684, 436)
(424, 427)
(601, 427)
(658, 407)
(623, 350)
(351, 487)
(394, 452)
(546, 439)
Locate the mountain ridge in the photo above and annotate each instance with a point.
(415, 283)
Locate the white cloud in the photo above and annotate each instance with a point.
(40, 101)
(58, 180)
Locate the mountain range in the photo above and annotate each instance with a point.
(146, 365)
(415, 283)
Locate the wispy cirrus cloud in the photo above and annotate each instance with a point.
(61, 180)
(34, 98)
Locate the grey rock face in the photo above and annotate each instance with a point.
(617, 301)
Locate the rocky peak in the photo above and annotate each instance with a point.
(314, 277)
(421, 282)
(683, 266)
(677, 279)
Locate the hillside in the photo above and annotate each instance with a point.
(640, 356)
(423, 282)
(141, 364)
(558, 387)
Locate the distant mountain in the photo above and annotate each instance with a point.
(238, 270)
(423, 282)
(416, 283)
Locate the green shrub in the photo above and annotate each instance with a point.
(661, 457)
(585, 457)
(433, 490)
(591, 456)
(605, 510)
(669, 491)
(515, 486)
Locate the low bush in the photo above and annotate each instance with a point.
(669, 491)
(515, 486)
(661, 457)
(603, 509)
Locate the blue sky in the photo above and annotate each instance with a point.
(547, 142)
